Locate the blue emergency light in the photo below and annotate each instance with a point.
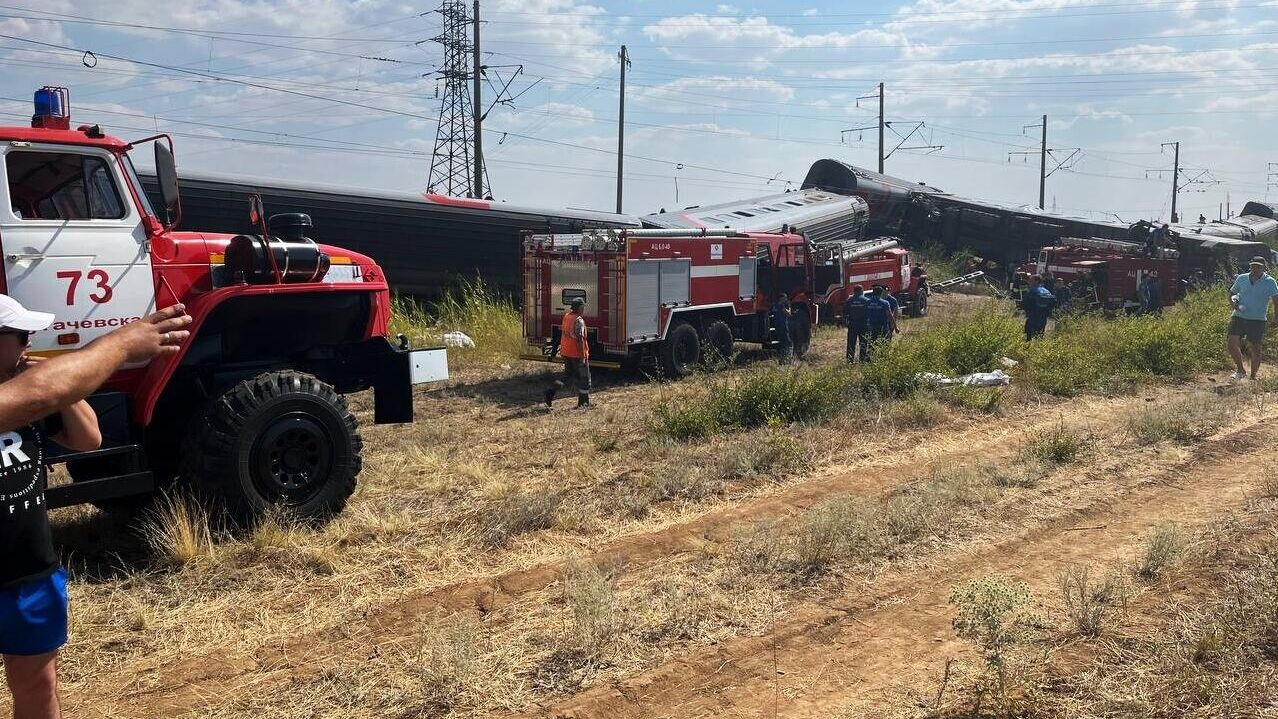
(52, 108)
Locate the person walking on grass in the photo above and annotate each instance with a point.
(1037, 305)
(856, 316)
(879, 319)
(780, 319)
(1250, 296)
(41, 401)
(574, 347)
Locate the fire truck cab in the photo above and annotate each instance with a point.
(250, 412)
(839, 266)
(1107, 274)
(666, 297)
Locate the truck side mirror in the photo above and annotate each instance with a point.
(166, 175)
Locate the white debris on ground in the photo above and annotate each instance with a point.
(997, 378)
(458, 339)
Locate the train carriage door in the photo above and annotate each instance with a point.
(73, 243)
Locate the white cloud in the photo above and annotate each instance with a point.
(736, 87)
(704, 38)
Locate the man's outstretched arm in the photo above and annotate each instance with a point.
(61, 381)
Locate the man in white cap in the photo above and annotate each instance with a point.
(1251, 295)
(42, 400)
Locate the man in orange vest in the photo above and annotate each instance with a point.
(575, 349)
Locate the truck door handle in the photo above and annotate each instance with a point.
(16, 257)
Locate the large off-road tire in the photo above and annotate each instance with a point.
(681, 352)
(279, 440)
(719, 342)
(918, 308)
(801, 332)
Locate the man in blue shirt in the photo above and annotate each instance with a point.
(1037, 305)
(856, 317)
(891, 300)
(878, 316)
(1250, 296)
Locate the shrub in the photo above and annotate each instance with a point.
(1167, 544)
(178, 530)
(1184, 420)
(448, 667)
(974, 342)
(982, 400)
(773, 396)
(917, 410)
(685, 419)
(592, 600)
(1088, 603)
(1057, 445)
(487, 317)
(519, 513)
(778, 454)
(991, 613)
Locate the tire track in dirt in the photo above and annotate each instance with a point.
(899, 633)
(189, 685)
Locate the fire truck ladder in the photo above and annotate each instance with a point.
(956, 280)
(855, 249)
(598, 238)
(943, 285)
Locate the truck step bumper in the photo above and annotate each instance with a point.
(96, 490)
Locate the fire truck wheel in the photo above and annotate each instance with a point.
(281, 439)
(681, 351)
(719, 341)
(918, 308)
(801, 334)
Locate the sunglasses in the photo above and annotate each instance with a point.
(24, 337)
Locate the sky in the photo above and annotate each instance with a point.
(724, 101)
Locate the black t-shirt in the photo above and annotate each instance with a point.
(27, 552)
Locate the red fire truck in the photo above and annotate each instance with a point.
(661, 296)
(250, 412)
(839, 266)
(1105, 273)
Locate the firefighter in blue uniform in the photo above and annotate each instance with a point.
(1037, 304)
(855, 316)
(879, 319)
(780, 318)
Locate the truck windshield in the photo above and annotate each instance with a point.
(137, 185)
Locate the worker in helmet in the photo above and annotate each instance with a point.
(574, 347)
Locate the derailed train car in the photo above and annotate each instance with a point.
(424, 242)
(923, 215)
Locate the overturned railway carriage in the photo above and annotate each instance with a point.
(425, 242)
(658, 297)
(820, 216)
(922, 215)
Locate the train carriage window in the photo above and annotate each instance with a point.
(62, 186)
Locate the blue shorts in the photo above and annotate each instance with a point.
(33, 616)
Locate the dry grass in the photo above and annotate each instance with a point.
(178, 531)
(484, 488)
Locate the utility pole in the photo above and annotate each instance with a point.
(477, 108)
(1175, 177)
(881, 157)
(1042, 169)
(1043, 153)
(624, 55)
